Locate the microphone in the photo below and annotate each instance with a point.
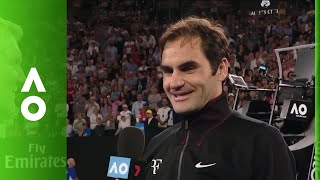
(130, 148)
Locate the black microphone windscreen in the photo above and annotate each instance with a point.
(131, 143)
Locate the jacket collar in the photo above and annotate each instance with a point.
(213, 114)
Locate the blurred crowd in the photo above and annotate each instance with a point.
(114, 80)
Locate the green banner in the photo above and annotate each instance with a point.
(33, 89)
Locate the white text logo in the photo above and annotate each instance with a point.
(265, 3)
(300, 111)
(156, 164)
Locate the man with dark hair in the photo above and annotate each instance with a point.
(212, 141)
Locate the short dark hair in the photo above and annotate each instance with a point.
(214, 43)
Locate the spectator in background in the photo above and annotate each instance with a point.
(152, 128)
(93, 118)
(93, 47)
(157, 56)
(153, 98)
(300, 41)
(143, 111)
(141, 81)
(137, 105)
(71, 171)
(78, 123)
(79, 103)
(116, 92)
(234, 66)
(109, 121)
(126, 114)
(85, 130)
(150, 43)
(132, 66)
(99, 129)
(128, 45)
(115, 103)
(163, 115)
(112, 51)
(143, 66)
(90, 106)
(69, 129)
(90, 66)
(124, 119)
(131, 80)
(257, 61)
(104, 107)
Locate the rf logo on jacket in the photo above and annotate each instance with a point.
(156, 165)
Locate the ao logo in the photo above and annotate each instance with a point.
(265, 3)
(33, 76)
(119, 167)
(301, 110)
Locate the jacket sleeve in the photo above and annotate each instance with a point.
(272, 159)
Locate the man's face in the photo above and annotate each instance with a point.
(72, 163)
(187, 76)
(109, 109)
(149, 115)
(164, 103)
(139, 97)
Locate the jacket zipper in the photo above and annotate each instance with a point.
(183, 149)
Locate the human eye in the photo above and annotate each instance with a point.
(166, 70)
(188, 67)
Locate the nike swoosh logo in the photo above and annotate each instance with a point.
(199, 165)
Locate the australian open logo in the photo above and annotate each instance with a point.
(266, 11)
(265, 3)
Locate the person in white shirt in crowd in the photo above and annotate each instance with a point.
(124, 119)
(234, 65)
(78, 123)
(128, 45)
(143, 66)
(93, 46)
(90, 66)
(109, 121)
(69, 129)
(163, 115)
(137, 105)
(92, 104)
(140, 42)
(150, 41)
(257, 61)
(300, 41)
(157, 55)
(93, 118)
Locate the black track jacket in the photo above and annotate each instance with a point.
(219, 144)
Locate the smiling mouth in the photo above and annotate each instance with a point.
(182, 96)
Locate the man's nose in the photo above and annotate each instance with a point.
(176, 81)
